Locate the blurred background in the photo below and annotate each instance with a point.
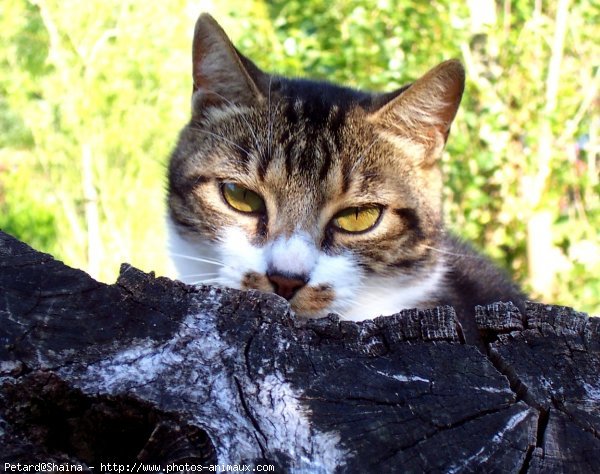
(93, 93)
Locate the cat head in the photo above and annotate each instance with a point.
(325, 195)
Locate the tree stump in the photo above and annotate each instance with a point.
(150, 372)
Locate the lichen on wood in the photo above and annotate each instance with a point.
(151, 370)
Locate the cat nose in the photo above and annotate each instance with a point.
(286, 285)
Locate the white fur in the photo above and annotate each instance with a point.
(296, 255)
(356, 297)
(343, 274)
(184, 254)
(385, 296)
(239, 256)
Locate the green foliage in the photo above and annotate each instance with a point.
(92, 95)
(24, 212)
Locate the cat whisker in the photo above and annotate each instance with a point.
(368, 287)
(229, 102)
(270, 125)
(446, 252)
(200, 259)
(192, 275)
(367, 306)
(371, 175)
(342, 307)
(361, 157)
(373, 143)
(220, 137)
(206, 281)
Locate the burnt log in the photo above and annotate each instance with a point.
(150, 372)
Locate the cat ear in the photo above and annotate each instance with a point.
(221, 74)
(419, 116)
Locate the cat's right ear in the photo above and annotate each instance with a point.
(221, 74)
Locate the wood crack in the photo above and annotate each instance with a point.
(393, 392)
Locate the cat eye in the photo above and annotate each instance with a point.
(357, 219)
(242, 199)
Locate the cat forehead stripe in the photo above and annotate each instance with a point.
(312, 150)
(307, 138)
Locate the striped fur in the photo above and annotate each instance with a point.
(311, 149)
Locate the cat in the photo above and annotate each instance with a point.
(329, 196)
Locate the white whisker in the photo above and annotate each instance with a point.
(199, 259)
(367, 287)
(368, 307)
(362, 157)
(250, 128)
(220, 137)
(207, 280)
(446, 252)
(270, 124)
(192, 275)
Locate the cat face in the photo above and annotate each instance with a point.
(327, 196)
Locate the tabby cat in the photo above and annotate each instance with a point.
(328, 196)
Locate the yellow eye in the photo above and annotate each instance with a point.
(357, 219)
(242, 199)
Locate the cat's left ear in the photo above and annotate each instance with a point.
(422, 113)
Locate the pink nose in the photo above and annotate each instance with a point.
(286, 286)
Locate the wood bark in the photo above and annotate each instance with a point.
(151, 371)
